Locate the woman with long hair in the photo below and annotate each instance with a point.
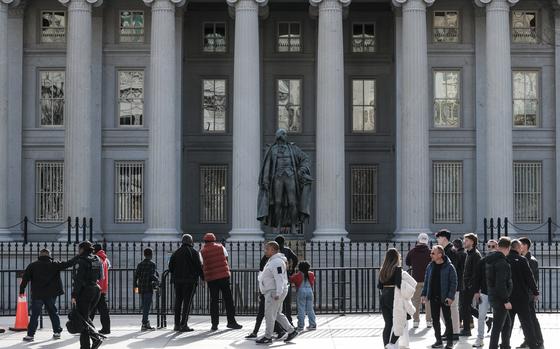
(389, 278)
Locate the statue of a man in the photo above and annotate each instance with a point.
(285, 184)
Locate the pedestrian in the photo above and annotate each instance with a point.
(292, 264)
(216, 273)
(443, 238)
(186, 270)
(418, 259)
(499, 283)
(397, 289)
(46, 287)
(260, 312)
(473, 256)
(524, 289)
(102, 307)
(146, 281)
(86, 292)
(534, 264)
(481, 295)
(304, 280)
(273, 284)
(461, 256)
(440, 289)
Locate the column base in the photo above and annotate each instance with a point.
(409, 234)
(161, 234)
(246, 235)
(330, 235)
(6, 235)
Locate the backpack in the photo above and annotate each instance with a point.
(95, 270)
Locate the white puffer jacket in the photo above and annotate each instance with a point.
(402, 303)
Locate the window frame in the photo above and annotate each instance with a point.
(117, 193)
(227, 104)
(277, 105)
(538, 99)
(540, 195)
(537, 22)
(351, 42)
(40, 27)
(226, 38)
(360, 166)
(459, 27)
(39, 99)
(375, 107)
(38, 219)
(119, 26)
(118, 97)
(225, 198)
(458, 70)
(461, 200)
(289, 23)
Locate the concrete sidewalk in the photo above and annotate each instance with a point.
(350, 331)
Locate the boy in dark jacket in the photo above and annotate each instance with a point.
(46, 286)
(146, 279)
(498, 281)
(440, 286)
(443, 238)
(186, 269)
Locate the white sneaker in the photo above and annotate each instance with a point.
(416, 324)
(56, 335)
(28, 339)
(428, 324)
(479, 343)
(392, 346)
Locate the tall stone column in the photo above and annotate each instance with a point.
(246, 121)
(330, 165)
(80, 145)
(163, 203)
(499, 114)
(557, 106)
(413, 139)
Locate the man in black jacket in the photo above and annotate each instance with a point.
(481, 294)
(471, 262)
(292, 264)
(534, 264)
(498, 280)
(443, 238)
(46, 286)
(185, 268)
(524, 289)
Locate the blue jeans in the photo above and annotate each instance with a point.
(305, 306)
(37, 308)
(146, 306)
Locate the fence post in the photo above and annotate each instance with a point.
(69, 229)
(549, 226)
(342, 279)
(506, 227)
(84, 227)
(25, 220)
(499, 226)
(485, 230)
(492, 228)
(90, 226)
(77, 230)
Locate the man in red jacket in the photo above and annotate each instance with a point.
(216, 274)
(103, 283)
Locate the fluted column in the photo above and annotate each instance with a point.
(246, 121)
(414, 181)
(163, 203)
(499, 119)
(80, 146)
(330, 166)
(557, 107)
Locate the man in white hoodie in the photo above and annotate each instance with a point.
(273, 284)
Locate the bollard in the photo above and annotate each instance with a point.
(25, 220)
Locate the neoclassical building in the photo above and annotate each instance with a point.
(151, 116)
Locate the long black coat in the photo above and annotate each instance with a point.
(44, 275)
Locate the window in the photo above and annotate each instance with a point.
(52, 98)
(525, 98)
(129, 192)
(447, 192)
(131, 98)
(527, 192)
(53, 26)
(363, 105)
(363, 37)
(446, 26)
(289, 37)
(214, 105)
(364, 193)
(524, 27)
(215, 37)
(447, 105)
(288, 104)
(49, 191)
(132, 26)
(213, 194)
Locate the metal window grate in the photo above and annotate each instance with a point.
(131, 98)
(363, 38)
(363, 106)
(288, 104)
(53, 27)
(364, 193)
(446, 26)
(527, 192)
(289, 37)
(213, 193)
(524, 27)
(132, 26)
(129, 192)
(447, 192)
(49, 191)
(525, 98)
(214, 37)
(447, 100)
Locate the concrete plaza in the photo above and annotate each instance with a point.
(334, 331)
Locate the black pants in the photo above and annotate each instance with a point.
(217, 286)
(184, 293)
(535, 322)
(86, 303)
(501, 326)
(387, 296)
(103, 310)
(287, 305)
(466, 309)
(523, 310)
(436, 306)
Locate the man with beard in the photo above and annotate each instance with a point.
(471, 262)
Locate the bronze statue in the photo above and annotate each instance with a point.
(285, 185)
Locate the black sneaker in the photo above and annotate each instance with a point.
(465, 333)
(280, 334)
(234, 326)
(437, 344)
(264, 340)
(96, 343)
(291, 336)
(214, 328)
(104, 331)
(147, 327)
(251, 335)
(185, 328)
(176, 328)
(489, 322)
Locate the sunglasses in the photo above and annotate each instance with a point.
(491, 246)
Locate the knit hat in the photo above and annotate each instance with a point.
(209, 237)
(423, 238)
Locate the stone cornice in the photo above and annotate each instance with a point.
(94, 3)
(400, 3)
(483, 3)
(318, 2)
(233, 3)
(177, 3)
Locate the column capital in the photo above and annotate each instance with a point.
(12, 3)
(177, 3)
(318, 2)
(234, 3)
(94, 3)
(483, 3)
(400, 3)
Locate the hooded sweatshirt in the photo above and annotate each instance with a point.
(274, 277)
(498, 278)
(104, 281)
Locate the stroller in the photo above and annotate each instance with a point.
(76, 324)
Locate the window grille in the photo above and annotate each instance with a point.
(447, 192)
(364, 193)
(132, 26)
(525, 98)
(363, 105)
(131, 98)
(214, 105)
(524, 27)
(129, 191)
(289, 37)
(288, 104)
(446, 26)
(52, 98)
(215, 37)
(527, 192)
(49, 191)
(447, 100)
(363, 37)
(53, 27)
(213, 193)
